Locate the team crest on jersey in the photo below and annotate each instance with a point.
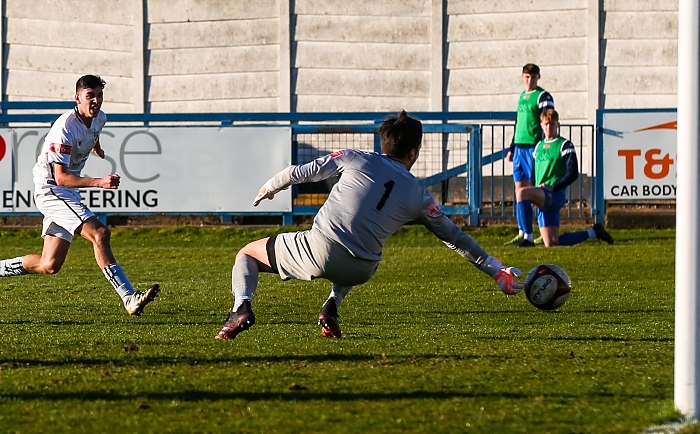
(433, 209)
(60, 148)
(337, 154)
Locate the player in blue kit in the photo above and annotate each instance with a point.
(556, 167)
(373, 198)
(57, 180)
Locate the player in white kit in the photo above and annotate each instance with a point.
(71, 139)
(374, 197)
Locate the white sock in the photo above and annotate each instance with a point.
(529, 237)
(244, 280)
(339, 292)
(12, 267)
(521, 234)
(116, 276)
(591, 233)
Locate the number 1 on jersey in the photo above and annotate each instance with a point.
(387, 191)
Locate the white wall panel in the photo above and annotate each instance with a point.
(61, 86)
(73, 11)
(60, 34)
(499, 26)
(325, 103)
(213, 86)
(174, 11)
(640, 25)
(82, 61)
(348, 55)
(503, 54)
(400, 30)
(213, 34)
(363, 83)
(476, 7)
(363, 7)
(218, 60)
(640, 52)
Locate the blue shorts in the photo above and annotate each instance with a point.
(554, 201)
(523, 164)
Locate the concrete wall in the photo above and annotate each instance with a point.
(48, 47)
(336, 55)
(639, 53)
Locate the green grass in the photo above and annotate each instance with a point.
(430, 344)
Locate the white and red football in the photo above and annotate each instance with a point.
(547, 287)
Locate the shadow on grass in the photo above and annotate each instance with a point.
(152, 321)
(304, 395)
(569, 338)
(17, 363)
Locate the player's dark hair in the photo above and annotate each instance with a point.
(550, 115)
(89, 82)
(399, 134)
(531, 69)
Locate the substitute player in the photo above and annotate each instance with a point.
(556, 167)
(533, 101)
(374, 197)
(71, 139)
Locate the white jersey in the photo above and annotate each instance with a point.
(69, 143)
(374, 197)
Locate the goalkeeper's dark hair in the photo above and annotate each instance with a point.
(89, 82)
(399, 134)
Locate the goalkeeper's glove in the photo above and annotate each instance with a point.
(266, 192)
(506, 280)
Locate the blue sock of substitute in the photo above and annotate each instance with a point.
(519, 217)
(525, 216)
(572, 238)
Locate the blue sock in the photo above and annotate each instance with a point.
(520, 216)
(524, 214)
(527, 219)
(572, 238)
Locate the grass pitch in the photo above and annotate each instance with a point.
(429, 344)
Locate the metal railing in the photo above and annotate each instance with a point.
(497, 182)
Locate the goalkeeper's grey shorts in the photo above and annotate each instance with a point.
(308, 255)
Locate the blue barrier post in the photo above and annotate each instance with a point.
(474, 186)
(599, 178)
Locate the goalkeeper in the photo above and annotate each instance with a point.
(374, 197)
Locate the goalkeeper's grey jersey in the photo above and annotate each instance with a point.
(374, 197)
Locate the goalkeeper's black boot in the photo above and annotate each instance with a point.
(240, 320)
(328, 320)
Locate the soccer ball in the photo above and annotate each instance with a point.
(547, 287)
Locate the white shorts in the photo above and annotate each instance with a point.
(310, 254)
(62, 210)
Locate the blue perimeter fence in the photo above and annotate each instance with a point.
(462, 160)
